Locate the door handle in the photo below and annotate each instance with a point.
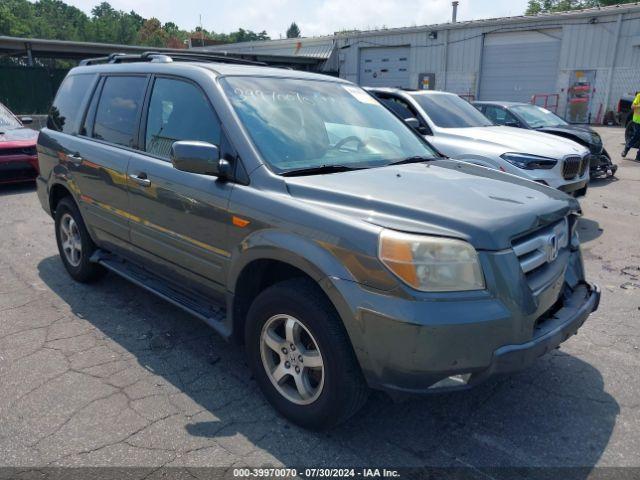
(141, 179)
(74, 158)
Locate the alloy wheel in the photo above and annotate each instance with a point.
(70, 240)
(292, 359)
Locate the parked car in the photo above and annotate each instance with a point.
(460, 131)
(534, 117)
(297, 216)
(625, 115)
(18, 157)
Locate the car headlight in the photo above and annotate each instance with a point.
(529, 162)
(431, 264)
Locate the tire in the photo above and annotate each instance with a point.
(68, 219)
(338, 387)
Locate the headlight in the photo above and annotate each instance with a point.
(529, 162)
(431, 264)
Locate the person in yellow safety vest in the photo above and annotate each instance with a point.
(634, 139)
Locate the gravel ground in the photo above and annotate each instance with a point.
(109, 375)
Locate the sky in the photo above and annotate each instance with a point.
(314, 17)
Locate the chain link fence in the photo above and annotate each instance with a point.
(29, 90)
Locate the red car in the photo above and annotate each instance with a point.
(18, 156)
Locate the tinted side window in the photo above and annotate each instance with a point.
(65, 114)
(496, 114)
(117, 110)
(398, 107)
(178, 110)
(511, 119)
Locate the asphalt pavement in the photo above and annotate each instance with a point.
(109, 375)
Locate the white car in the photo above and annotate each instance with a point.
(457, 129)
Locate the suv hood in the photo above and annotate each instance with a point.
(511, 139)
(442, 197)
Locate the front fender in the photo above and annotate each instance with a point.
(329, 270)
(295, 250)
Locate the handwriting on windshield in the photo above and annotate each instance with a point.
(291, 96)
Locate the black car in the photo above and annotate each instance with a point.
(534, 117)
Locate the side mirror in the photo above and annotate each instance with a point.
(26, 120)
(199, 157)
(412, 122)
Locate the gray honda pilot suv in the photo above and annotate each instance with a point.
(296, 215)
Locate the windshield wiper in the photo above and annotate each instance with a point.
(414, 159)
(319, 170)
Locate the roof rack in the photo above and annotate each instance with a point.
(168, 57)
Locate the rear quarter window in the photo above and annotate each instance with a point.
(65, 114)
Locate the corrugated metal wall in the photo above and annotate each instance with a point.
(586, 45)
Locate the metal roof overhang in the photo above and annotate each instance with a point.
(43, 48)
(272, 59)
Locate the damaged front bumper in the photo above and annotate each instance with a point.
(457, 340)
(602, 166)
(549, 334)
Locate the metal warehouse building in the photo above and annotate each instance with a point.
(584, 59)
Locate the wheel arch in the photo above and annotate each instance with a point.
(276, 258)
(57, 192)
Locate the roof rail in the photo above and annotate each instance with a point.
(166, 57)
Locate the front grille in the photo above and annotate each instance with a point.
(16, 174)
(542, 246)
(571, 167)
(586, 161)
(31, 151)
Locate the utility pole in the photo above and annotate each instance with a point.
(201, 33)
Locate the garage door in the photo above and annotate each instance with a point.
(384, 67)
(517, 65)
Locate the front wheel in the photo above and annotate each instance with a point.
(301, 356)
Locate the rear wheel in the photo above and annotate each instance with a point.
(74, 244)
(301, 356)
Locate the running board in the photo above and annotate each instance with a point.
(212, 314)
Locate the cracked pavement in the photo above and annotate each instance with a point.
(109, 375)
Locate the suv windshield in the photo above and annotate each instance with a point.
(537, 117)
(317, 125)
(450, 111)
(7, 120)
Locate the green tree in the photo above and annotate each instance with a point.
(549, 6)
(171, 28)
(57, 20)
(16, 18)
(136, 20)
(114, 26)
(152, 33)
(293, 31)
